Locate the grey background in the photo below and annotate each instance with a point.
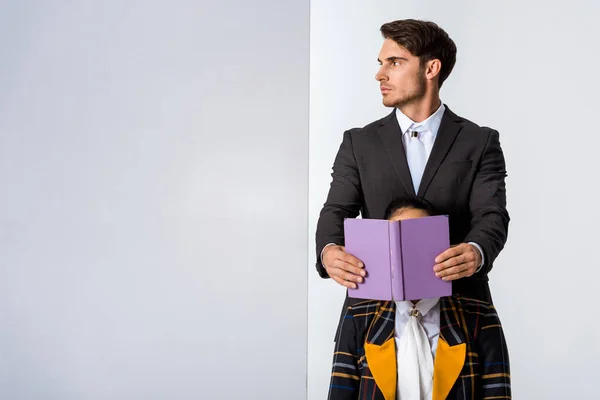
(153, 207)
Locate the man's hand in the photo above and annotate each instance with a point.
(457, 262)
(342, 267)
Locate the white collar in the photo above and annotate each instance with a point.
(423, 305)
(432, 124)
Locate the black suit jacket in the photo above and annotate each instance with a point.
(464, 178)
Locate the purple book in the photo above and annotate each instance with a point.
(398, 256)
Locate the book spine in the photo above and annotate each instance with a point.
(396, 276)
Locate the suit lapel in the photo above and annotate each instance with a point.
(391, 136)
(447, 132)
(380, 350)
(451, 351)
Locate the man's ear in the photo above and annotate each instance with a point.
(432, 69)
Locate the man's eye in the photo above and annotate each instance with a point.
(395, 63)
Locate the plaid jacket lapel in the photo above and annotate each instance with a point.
(380, 350)
(382, 327)
(451, 322)
(451, 350)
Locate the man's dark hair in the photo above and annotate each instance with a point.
(409, 202)
(425, 40)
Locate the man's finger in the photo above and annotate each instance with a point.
(459, 271)
(454, 277)
(349, 268)
(350, 259)
(451, 252)
(345, 275)
(451, 262)
(349, 285)
(349, 276)
(339, 253)
(452, 270)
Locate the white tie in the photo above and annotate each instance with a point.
(416, 154)
(415, 362)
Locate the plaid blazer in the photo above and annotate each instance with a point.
(471, 360)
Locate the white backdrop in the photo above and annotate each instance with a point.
(528, 69)
(153, 176)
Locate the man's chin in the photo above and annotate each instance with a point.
(387, 102)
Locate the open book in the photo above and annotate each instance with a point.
(398, 256)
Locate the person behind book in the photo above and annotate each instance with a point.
(430, 349)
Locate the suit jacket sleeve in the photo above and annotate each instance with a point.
(343, 200)
(345, 377)
(493, 357)
(489, 218)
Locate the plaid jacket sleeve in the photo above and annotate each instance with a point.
(345, 377)
(495, 377)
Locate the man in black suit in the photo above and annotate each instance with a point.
(421, 148)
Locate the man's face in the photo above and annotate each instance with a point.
(401, 79)
(408, 213)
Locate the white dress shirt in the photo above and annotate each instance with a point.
(430, 320)
(431, 125)
(415, 365)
